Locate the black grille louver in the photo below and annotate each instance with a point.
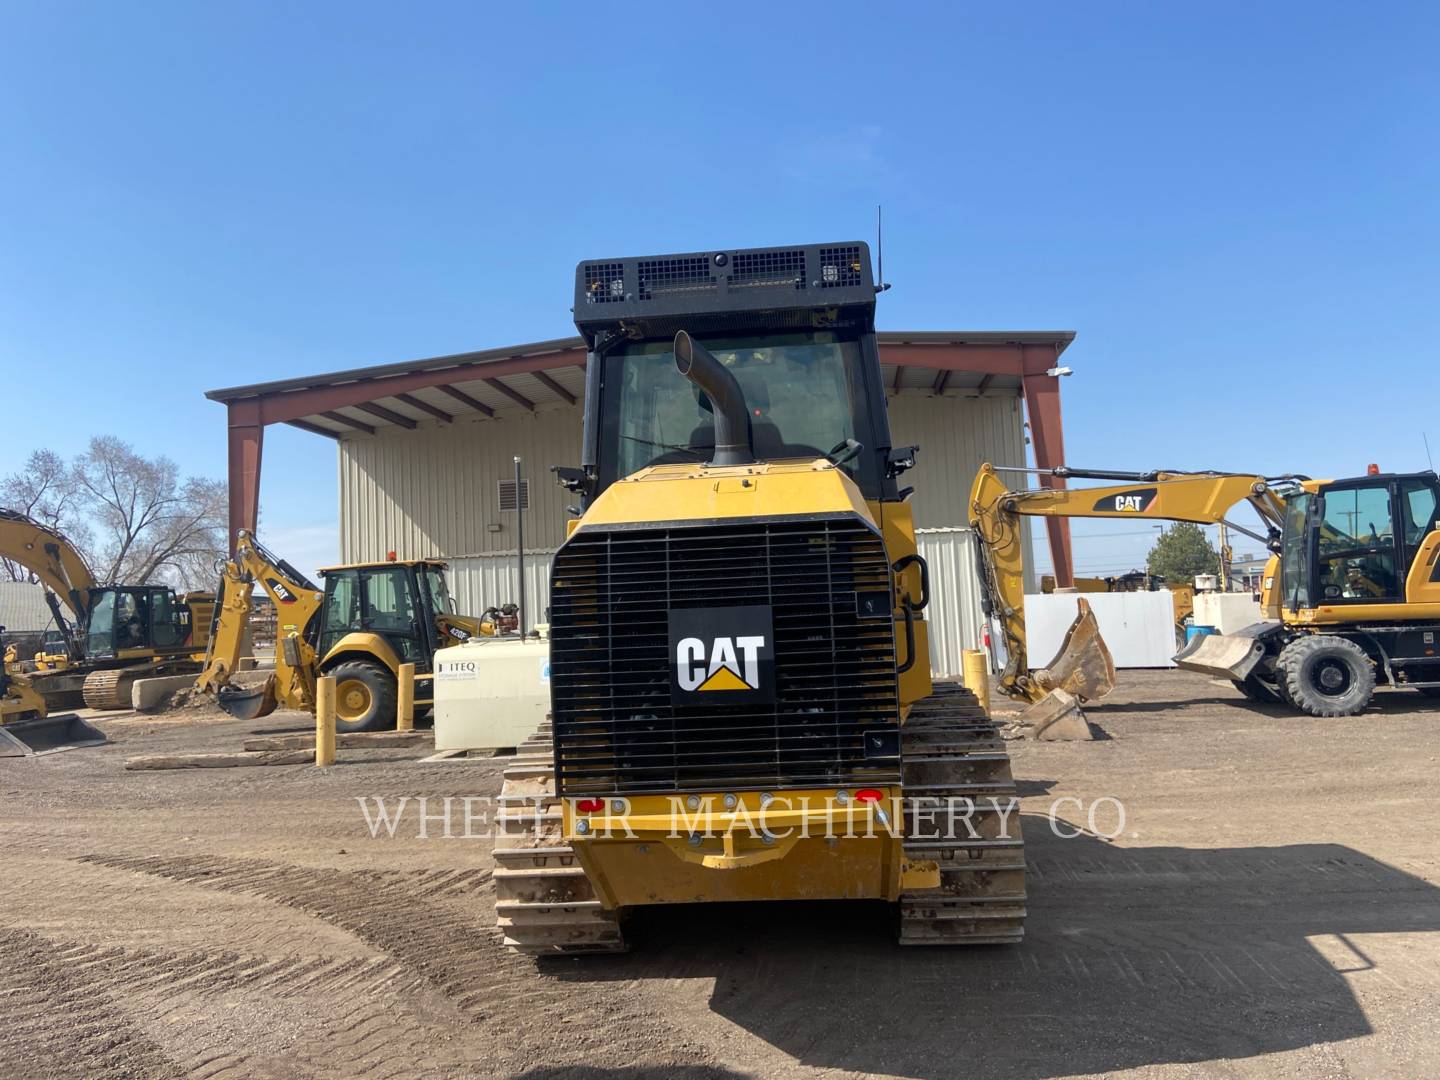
(769, 268)
(604, 283)
(685, 273)
(616, 730)
(840, 267)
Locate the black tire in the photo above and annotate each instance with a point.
(365, 696)
(1260, 692)
(1326, 676)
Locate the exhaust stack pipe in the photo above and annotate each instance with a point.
(732, 423)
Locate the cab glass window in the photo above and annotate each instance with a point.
(439, 591)
(389, 601)
(1356, 546)
(342, 601)
(1417, 502)
(165, 630)
(100, 630)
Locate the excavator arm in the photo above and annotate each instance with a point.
(996, 513)
(55, 561)
(297, 601)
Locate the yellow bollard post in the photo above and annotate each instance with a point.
(405, 702)
(325, 720)
(975, 669)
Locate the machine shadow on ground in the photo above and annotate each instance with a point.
(1386, 703)
(1133, 956)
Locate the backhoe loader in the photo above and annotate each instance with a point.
(367, 620)
(114, 634)
(741, 702)
(1352, 589)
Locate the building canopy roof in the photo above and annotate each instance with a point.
(549, 373)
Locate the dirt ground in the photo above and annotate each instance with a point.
(1270, 909)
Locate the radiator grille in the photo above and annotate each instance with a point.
(616, 730)
(769, 268)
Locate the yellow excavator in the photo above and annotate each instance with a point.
(367, 620)
(1352, 589)
(114, 634)
(741, 701)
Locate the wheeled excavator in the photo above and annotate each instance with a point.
(1351, 596)
(367, 620)
(741, 700)
(114, 634)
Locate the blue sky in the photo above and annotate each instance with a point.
(1235, 206)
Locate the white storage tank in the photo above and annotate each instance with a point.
(490, 692)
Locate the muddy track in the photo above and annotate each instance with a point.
(450, 948)
(58, 1023)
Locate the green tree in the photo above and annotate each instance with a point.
(1181, 552)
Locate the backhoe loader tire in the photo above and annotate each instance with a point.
(1326, 675)
(365, 697)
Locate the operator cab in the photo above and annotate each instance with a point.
(400, 601)
(126, 618)
(1353, 541)
(794, 326)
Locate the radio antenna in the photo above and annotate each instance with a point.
(882, 285)
(1427, 451)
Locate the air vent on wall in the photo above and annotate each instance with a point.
(507, 496)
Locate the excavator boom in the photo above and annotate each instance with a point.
(1084, 668)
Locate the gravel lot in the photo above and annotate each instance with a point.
(1270, 909)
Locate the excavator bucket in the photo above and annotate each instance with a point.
(1227, 656)
(1083, 667)
(248, 702)
(48, 735)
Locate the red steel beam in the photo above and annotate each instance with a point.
(356, 424)
(313, 429)
(514, 395)
(246, 441)
(465, 399)
(1042, 401)
(425, 407)
(387, 414)
(554, 387)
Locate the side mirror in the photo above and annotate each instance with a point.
(899, 459)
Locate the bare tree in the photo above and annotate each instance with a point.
(45, 489)
(152, 524)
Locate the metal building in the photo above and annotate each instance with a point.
(426, 453)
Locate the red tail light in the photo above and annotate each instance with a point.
(869, 795)
(589, 806)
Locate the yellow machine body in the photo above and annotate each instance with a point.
(354, 657)
(826, 852)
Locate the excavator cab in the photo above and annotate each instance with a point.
(124, 620)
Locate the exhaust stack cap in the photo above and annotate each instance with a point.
(732, 423)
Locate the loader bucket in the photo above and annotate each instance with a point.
(1227, 656)
(48, 735)
(248, 702)
(1083, 667)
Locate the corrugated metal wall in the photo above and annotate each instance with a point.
(956, 436)
(481, 581)
(434, 490)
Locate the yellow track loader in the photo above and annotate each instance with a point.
(114, 635)
(367, 620)
(1352, 591)
(741, 702)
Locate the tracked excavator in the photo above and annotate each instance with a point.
(741, 701)
(1351, 597)
(114, 634)
(367, 620)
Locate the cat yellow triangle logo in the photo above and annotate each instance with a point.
(724, 679)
